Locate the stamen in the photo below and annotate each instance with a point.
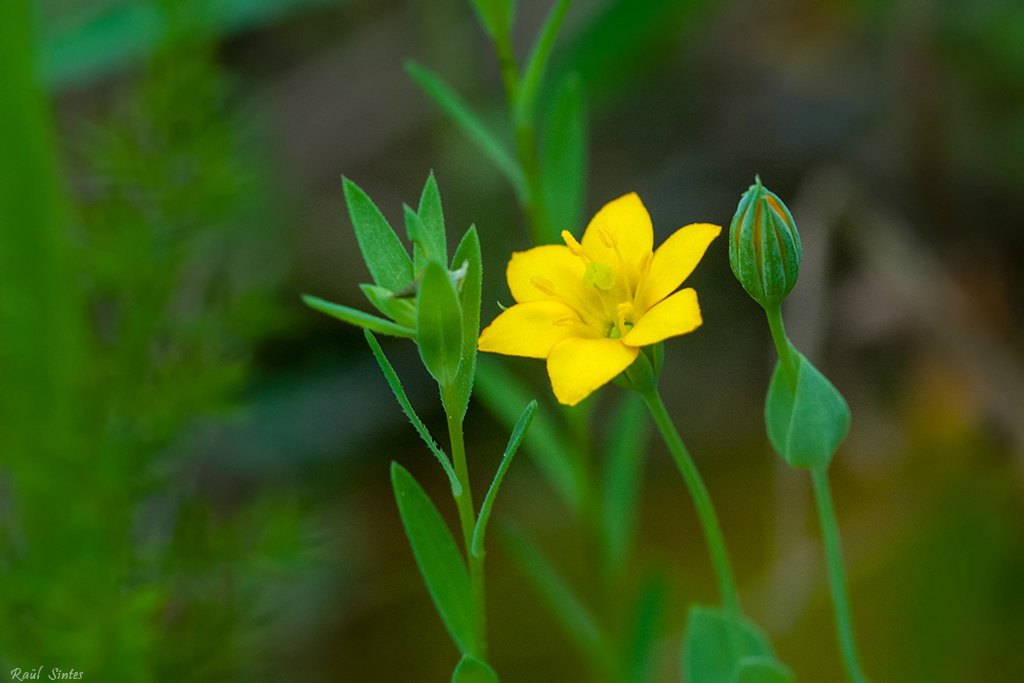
(625, 312)
(575, 247)
(565, 321)
(543, 285)
(645, 263)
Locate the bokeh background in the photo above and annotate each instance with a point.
(194, 473)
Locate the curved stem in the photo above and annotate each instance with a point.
(705, 510)
(789, 365)
(837, 574)
(467, 518)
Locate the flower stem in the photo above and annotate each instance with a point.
(782, 346)
(701, 499)
(467, 518)
(837, 574)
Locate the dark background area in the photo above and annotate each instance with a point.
(893, 130)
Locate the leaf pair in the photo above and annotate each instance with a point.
(563, 157)
(440, 562)
(807, 425)
(722, 648)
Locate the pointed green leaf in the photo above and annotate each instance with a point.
(710, 646)
(577, 620)
(503, 393)
(356, 317)
(422, 251)
(648, 615)
(403, 400)
(453, 104)
(627, 452)
(439, 324)
(432, 216)
(495, 15)
(762, 670)
(513, 445)
(383, 252)
(472, 670)
(564, 157)
(438, 558)
(400, 309)
(533, 75)
(468, 254)
(807, 427)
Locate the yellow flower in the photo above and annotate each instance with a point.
(588, 307)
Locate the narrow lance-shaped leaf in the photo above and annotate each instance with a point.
(627, 451)
(400, 309)
(422, 250)
(564, 157)
(439, 324)
(438, 558)
(356, 317)
(568, 608)
(503, 393)
(432, 216)
(385, 256)
(450, 101)
(403, 400)
(495, 15)
(533, 75)
(807, 427)
(472, 670)
(468, 254)
(513, 445)
(649, 611)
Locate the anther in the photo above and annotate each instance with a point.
(645, 263)
(606, 236)
(543, 285)
(575, 247)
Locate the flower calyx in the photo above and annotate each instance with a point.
(764, 246)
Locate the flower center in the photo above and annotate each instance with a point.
(610, 282)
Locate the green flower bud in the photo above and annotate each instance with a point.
(764, 246)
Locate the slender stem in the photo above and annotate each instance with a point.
(467, 519)
(508, 65)
(782, 347)
(536, 213)
(837, 574)
(701, 499)
(526, 141)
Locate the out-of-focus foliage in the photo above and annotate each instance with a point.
(114, 563)
(100, 36)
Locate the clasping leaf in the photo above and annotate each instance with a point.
(439, 324)
(805, 427)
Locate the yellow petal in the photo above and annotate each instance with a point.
(531, 329)
(673, 262)
(622, 226)
(552, 273)
(676, 315)
(579, 366)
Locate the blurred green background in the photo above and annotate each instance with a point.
(193, 467)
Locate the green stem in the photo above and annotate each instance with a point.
(701, 499)
(536, 213)
(467, 518)
(837, 574)
(782, 346)
(526, 142)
